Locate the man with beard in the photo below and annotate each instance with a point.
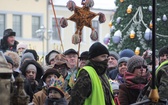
(8, 41)
(92, 86)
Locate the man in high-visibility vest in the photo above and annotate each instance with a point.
(162, 74)
(92, 86)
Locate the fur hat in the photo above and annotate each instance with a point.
(135, 61)
(163, 50)
(8, 32)
(50, 71)
(58, 85)
(114, 54)
(84, 55)
(60, 59)
(126, 53)
(48, 58)
(97, 49)
(15, 58)
(70, 51)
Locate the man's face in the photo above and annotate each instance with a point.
(62, 69)
(72, 60)
(31, 74)
(163, 58)
(49, 78)
(100, 58)
(122, 68)
(11, 40)
(112, 62)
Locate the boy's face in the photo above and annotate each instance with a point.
(54, 94)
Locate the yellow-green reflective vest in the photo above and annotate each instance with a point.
(97, 95)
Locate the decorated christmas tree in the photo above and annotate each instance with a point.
(131, 26)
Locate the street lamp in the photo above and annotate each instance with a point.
(40, 34)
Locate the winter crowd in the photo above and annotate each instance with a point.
(96, 77)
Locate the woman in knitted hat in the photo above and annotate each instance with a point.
(122, 68)
(136, 78)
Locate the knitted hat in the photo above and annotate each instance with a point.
(114, 54)
(22, 45)
(123, 59)
(97, 49)
(9, 60)
(84, 55)
(27, 55)
(70, 51)
(48, 56)
(135, 61)
(9, 32)
(31, 67)
(163, 50)
(33, 52)
(126, 53)
(50, 71)
(58, 85)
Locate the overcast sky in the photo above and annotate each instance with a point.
(102, 4)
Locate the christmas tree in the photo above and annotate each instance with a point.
(131, 26)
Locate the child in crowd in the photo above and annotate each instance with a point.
(55, 92)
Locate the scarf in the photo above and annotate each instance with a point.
(134, 82)
(100, 66)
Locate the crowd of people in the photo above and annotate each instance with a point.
(96, 77)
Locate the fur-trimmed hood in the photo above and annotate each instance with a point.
(40, 70)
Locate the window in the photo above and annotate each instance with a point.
(55, 34)
(17, 25)
(2, 24)
(35, 25)
(95, 25)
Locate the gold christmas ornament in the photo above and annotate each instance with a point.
(110, 24)
(137, 51)
(132, 34)
(129, 9)
(121, 1)
(151, 25)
